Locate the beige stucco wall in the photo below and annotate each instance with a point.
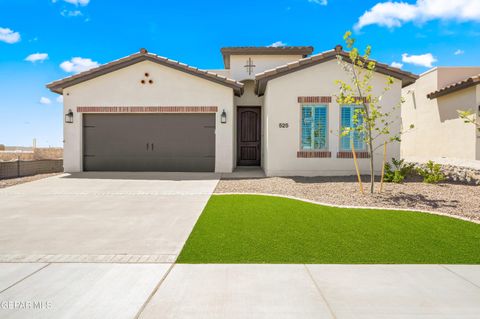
(248, 98)
(450, 74)
(261, 62)
(439, 132)
(281, 106)
(170, 88)
(222, 72)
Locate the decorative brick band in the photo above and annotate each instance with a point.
(314, 99)
(348, 154)
(314, 154)
(147, 109)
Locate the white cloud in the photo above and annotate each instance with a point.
(397, 65)
(9, 36)
(425, 60)
(320, 2)
(74, 13)
(78, 64)
(45, 100)
(37, 57)
(395, 14)
(77, 2)
(277, 44)
(459, 52)
(59, 99)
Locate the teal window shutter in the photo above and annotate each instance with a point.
(346, 121)
(347, 113)
(307, 120)
(314, 127)
(358, 137)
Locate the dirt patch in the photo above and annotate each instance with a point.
(20, 180)
(455, 199)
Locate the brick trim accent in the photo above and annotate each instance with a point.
(314, 99)
(147, 109)
(314, 154)
(348, 154)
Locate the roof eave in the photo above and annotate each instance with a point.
(407, 78)
(58, 86)
(452, 89)
(55, 89)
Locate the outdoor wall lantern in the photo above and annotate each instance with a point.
(69, 117)
(223, 117)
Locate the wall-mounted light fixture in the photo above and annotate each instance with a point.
(223, 117)
(69, 117)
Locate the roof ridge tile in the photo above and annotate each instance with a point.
(265, 76)
(455, 86)
(59, 85)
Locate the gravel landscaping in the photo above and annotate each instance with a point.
(454, 199)
(20, 180)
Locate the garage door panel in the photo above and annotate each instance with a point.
(186, 136)
(113, 135)
(176, 142)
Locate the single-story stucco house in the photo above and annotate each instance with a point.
(272, 107)
(431, 105)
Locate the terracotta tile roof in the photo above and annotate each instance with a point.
(261, 79)
(283, 50)
(143, 55)
(457, 86)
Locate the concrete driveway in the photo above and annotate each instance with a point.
(102, 217)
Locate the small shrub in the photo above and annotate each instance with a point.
(431, 173)
(397, 171)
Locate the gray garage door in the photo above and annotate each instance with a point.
(149, 142)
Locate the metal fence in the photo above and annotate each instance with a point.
(21, 168)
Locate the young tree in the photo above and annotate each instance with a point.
(469, 117)
(371, 123)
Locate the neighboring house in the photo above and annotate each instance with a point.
(269, 107)
(431, 105)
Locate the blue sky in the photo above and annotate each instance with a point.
(415, 34)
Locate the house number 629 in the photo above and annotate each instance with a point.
(283, 125)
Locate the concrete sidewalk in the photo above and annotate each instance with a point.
(318, 291)
(241, 291)
(116, 291)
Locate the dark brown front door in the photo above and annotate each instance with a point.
(248, 136)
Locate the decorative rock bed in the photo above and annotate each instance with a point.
(459, 174)
(20, 180)
(450, 198)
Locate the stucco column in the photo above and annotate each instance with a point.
(72, 139)
(224, 139)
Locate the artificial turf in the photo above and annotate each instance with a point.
(266, 229)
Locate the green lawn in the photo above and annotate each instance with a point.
(264, 229)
